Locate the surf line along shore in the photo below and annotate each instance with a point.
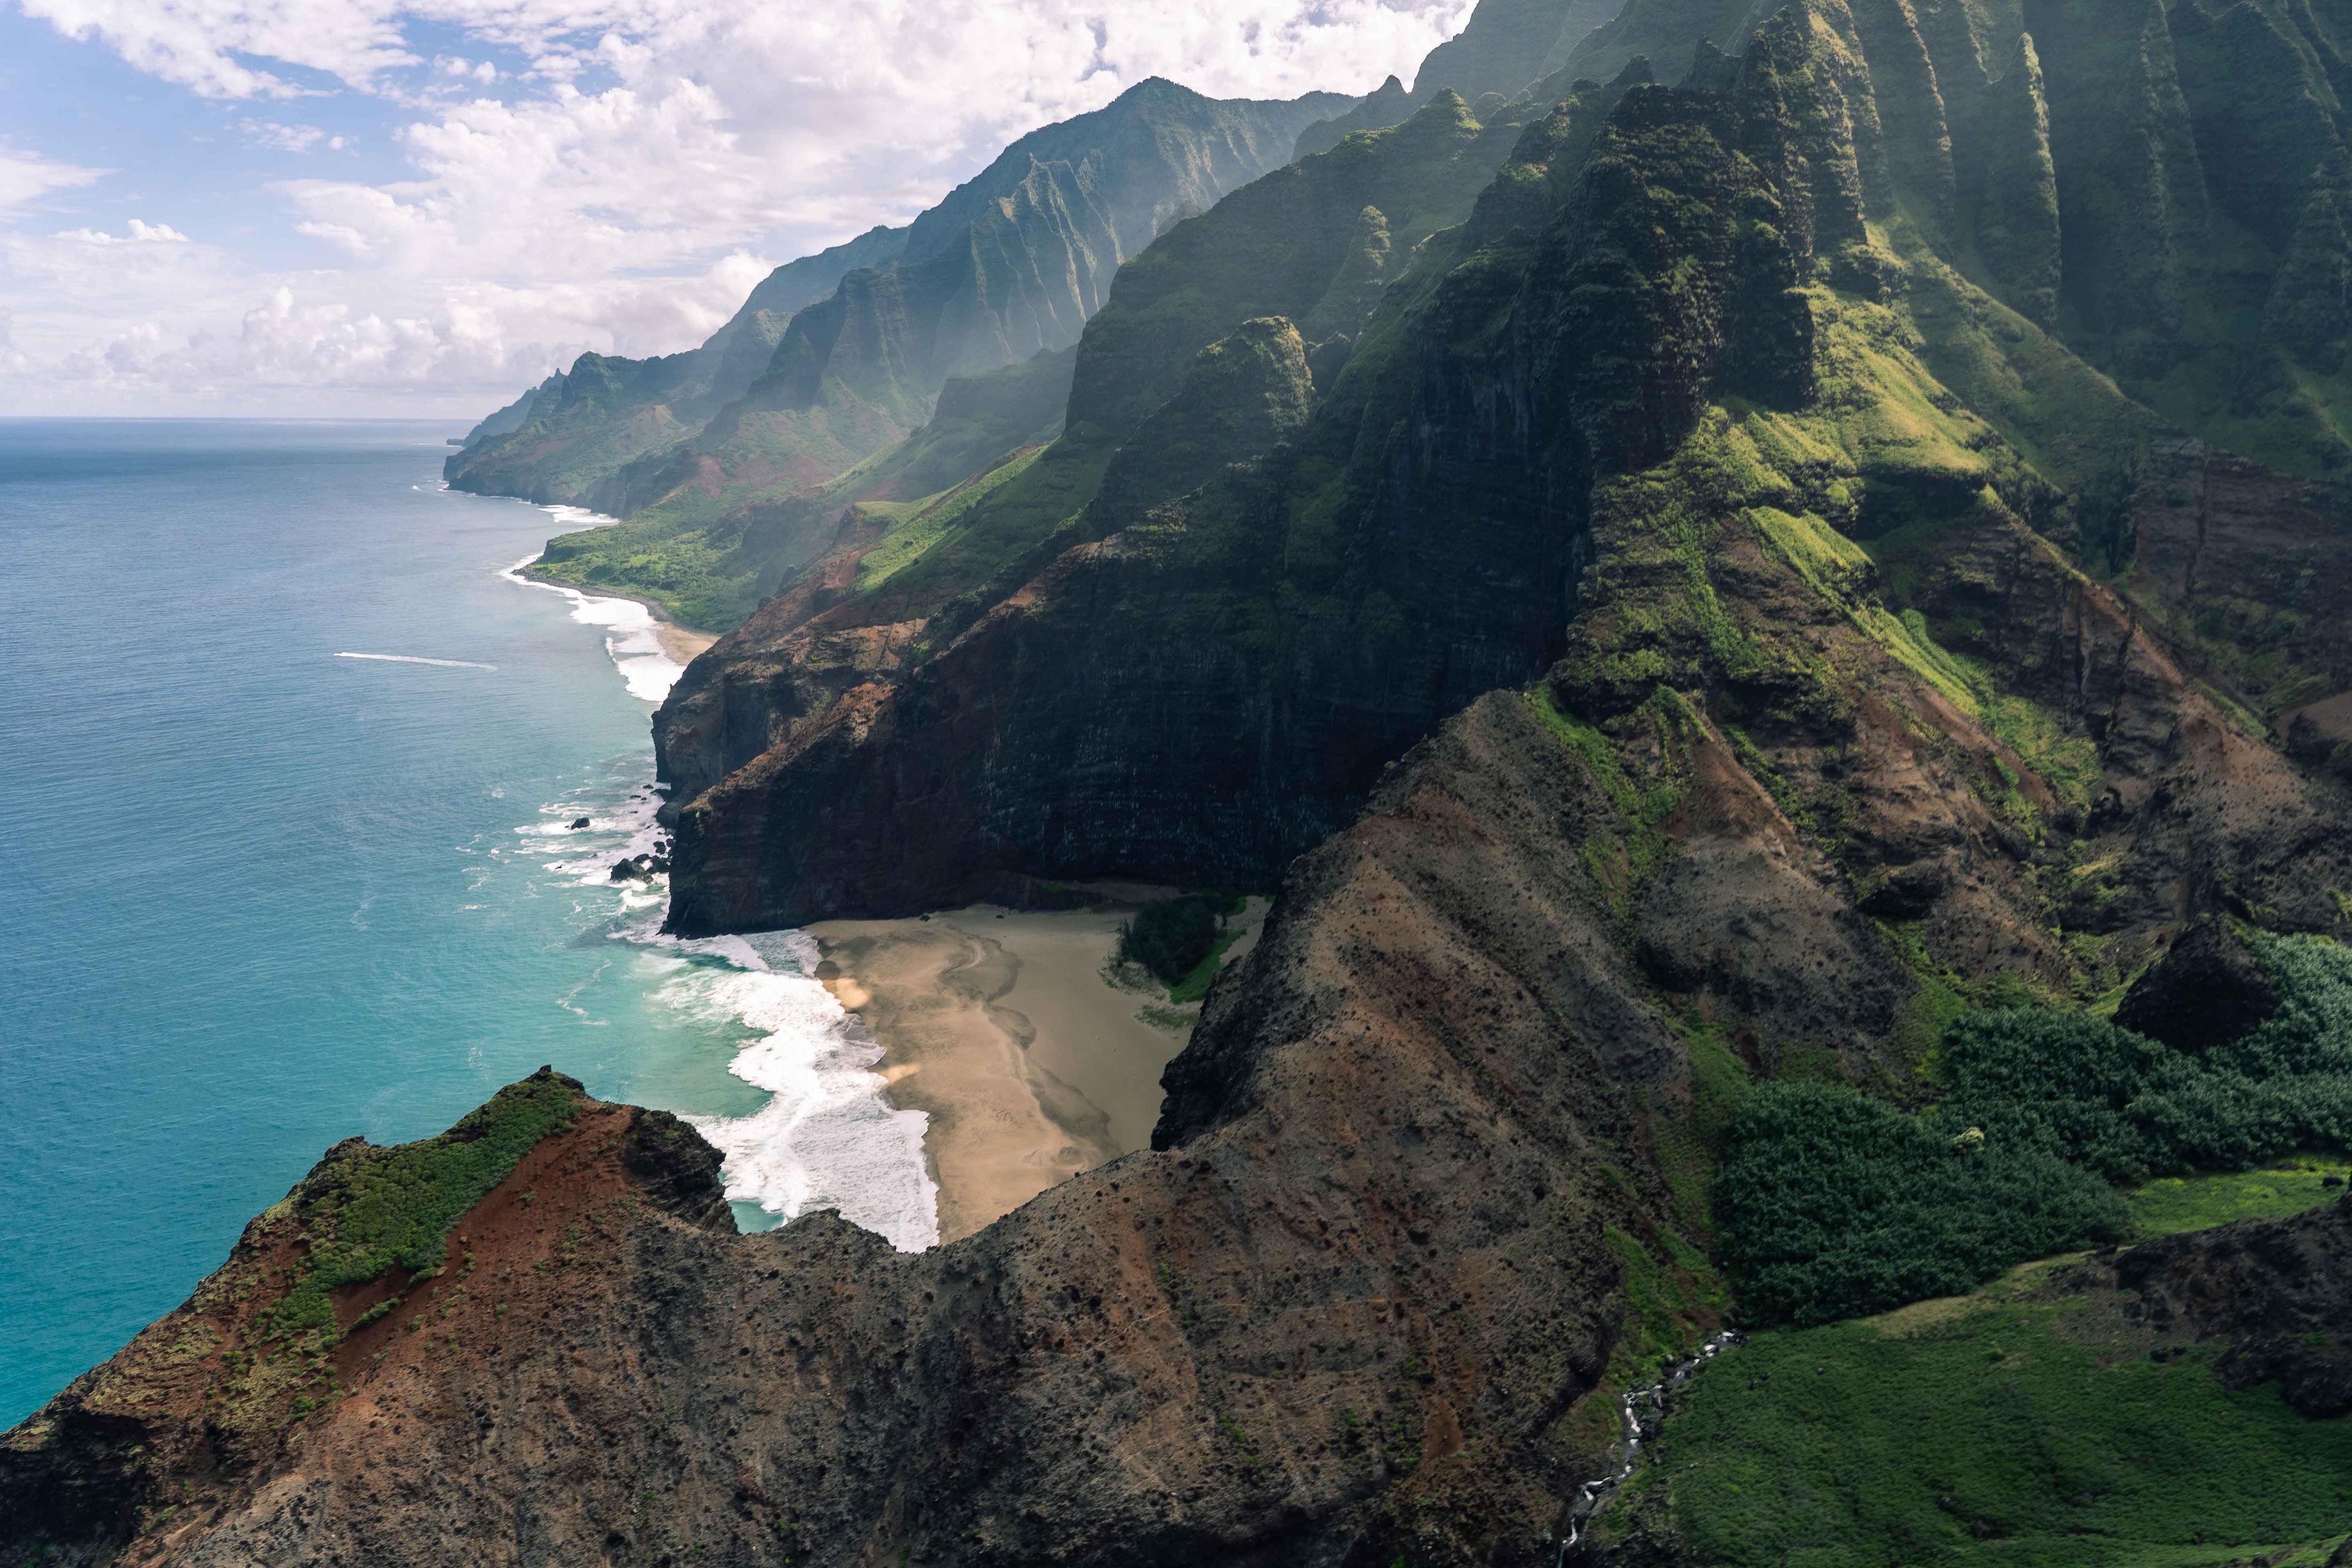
(680, 642)
(1005, 1030)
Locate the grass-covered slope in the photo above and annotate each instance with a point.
(2041, 1421)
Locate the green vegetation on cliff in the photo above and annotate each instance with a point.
(368, 1210)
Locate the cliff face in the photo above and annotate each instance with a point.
(1614, 427)
(1319, 241)
(2246, 564)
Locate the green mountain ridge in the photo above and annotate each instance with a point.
(838, 356)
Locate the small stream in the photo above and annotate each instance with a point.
(1652, 1398)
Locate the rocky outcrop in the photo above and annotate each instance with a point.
(2210, 989)
(2271, 1291)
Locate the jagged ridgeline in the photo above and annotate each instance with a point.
(838, 356)
(1743, 633)
(1697, 415)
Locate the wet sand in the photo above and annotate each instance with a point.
(1000, 1026)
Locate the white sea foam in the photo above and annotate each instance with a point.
(826, 1138)
(417, 658)
(630, 630)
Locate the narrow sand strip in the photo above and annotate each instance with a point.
(1000, 1026)
(681, 643)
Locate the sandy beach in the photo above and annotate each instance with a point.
(681, 643)
(1000, 1027)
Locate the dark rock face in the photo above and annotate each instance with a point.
(2209, 990)
(2246, 564)
(1452, 484)
(2275, 1289)
(1244, 396)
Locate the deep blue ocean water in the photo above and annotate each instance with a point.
(256, 896)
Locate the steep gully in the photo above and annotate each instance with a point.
(1650, 1396)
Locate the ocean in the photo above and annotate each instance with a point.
(288, 763)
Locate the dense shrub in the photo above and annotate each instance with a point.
(1828, 1204)
(2129, 1108)
(1172, 937)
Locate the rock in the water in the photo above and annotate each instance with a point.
(578, 823)
(2209, 990)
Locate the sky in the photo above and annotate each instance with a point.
(379, 208)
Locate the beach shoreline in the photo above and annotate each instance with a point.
(680, 641)
(1002, 1026)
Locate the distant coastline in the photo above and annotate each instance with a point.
(681, 642)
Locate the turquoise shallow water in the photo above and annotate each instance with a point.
(256, 896)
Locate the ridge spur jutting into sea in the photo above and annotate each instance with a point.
(291, 760)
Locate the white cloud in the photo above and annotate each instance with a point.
(27, 177)
(137, 233)
(603, 173)
(279, 138)
(197, 43)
